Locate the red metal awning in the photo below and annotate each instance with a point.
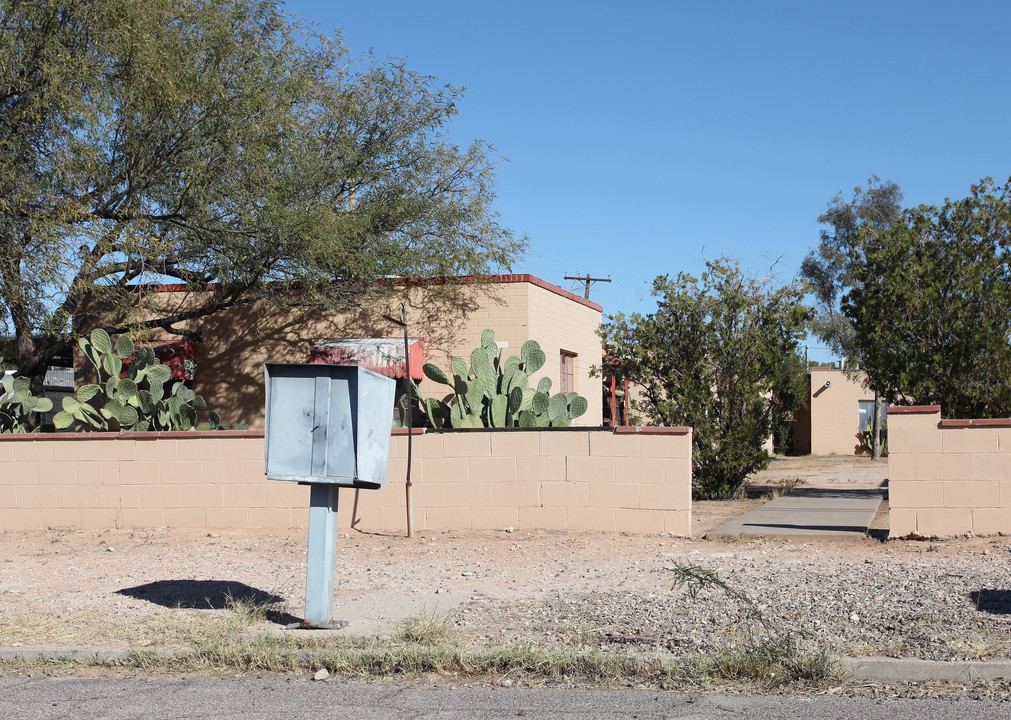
(382, 355)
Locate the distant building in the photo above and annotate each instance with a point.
(238, 341)
(838, 407)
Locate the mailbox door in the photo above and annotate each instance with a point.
(327, 424)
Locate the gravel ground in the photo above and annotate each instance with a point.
(119, 589)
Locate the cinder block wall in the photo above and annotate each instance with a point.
(629, 479)
(947, 477)
(832, 413)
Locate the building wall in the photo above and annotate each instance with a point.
(238, 341)
(947, 477)
(549, 479)
(833, 413)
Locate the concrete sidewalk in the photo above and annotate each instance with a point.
(809, 512)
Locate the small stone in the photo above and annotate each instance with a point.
(212, 535)
(110, 549)
(507, 529)
(321, 674)
(466, 573)
(854, 618)
(506, 683)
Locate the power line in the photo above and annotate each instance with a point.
(587, 280)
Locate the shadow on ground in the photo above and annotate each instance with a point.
(206, 595)
(995, 602)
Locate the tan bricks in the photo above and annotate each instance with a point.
(590, 518)
(567, 443)
(614, 495)
(914, 433)
(57, 473)
(591, 469)
(900, 467)
(915, 494)
(665, 446)
(970, 494)
(565, 494)
(991, 521)
(516, 444)
(969, 440)
(990, 466)
(532, 479)
(541, 469)
(943, 521)
(33, 451)
(607, 444)
(901, 522)
(941, 467)
(644, 521)
(516, 494)
(467, 445)
(545, 518)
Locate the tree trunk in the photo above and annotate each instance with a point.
(876, 451)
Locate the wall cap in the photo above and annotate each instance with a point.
(913, 409)
(132, 435)
(651, 430)
(977, 423)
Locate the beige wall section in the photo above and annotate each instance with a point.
(833, 412)
(947, 477)
(238, 341)
(560, 324)
(557, 479)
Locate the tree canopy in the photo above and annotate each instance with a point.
(218, 142)
(715, 356)
(930, 305)
(830, 268)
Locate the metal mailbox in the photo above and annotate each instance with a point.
(327, 426)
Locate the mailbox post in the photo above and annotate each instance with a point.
(327, 426)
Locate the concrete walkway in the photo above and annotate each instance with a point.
(809, 512)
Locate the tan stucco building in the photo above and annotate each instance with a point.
(838, 407)
(238, 341)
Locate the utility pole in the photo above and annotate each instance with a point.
(588, 280)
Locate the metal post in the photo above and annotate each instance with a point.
(321, 561)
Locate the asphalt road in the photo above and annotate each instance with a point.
(24, 698)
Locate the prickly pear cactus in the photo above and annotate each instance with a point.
(139, 400)
(18, 407)
(492, 392)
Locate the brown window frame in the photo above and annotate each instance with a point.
(567, 371)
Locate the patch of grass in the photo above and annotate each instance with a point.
(424, 629)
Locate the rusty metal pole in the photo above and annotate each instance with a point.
(410, 423)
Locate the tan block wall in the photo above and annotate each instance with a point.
(238, 341)
(558, 479)
(947, 477)
(833, 413)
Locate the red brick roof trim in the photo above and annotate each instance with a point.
(505, 279)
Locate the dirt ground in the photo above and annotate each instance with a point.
(137, 589)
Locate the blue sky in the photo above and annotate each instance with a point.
(644, 137)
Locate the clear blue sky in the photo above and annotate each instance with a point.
(644, 137)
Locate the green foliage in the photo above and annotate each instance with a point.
(493, 393)
(217, 142)
(830, 270)
(138, 401)
(711, 357)
(18, 407)
(930, 305)
(866, 436)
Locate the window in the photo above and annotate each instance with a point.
(567, 372)
(865, 413)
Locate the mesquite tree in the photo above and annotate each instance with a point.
(217, 142)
